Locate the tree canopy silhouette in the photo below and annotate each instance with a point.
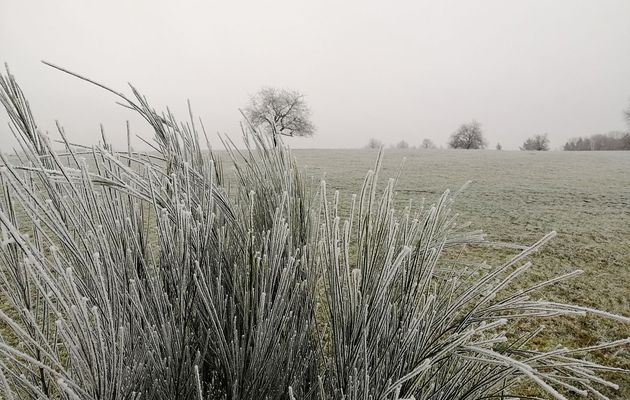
(280, 112)
(468, 136)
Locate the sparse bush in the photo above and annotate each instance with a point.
(427, 144)
(142, 276)
(402, 145)
(499, 147)
(374, 144)
(468, 136)
(536, 143)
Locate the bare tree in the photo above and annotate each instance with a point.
(427, 144)
(374, 144)
(280, 112)
(536, 143)
(468, 136)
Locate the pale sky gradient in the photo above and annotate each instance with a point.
(392, 70)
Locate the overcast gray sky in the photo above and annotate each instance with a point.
(392, 70)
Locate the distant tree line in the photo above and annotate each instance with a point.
(284, 112)
(608, 141)
(426, 144)
(470, 136)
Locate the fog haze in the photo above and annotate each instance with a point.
(389, 70)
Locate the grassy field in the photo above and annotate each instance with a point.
(518, 197)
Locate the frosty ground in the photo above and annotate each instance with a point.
(518, 197)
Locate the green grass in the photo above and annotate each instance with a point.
(518, 197)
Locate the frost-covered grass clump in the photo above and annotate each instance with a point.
(143, 276)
